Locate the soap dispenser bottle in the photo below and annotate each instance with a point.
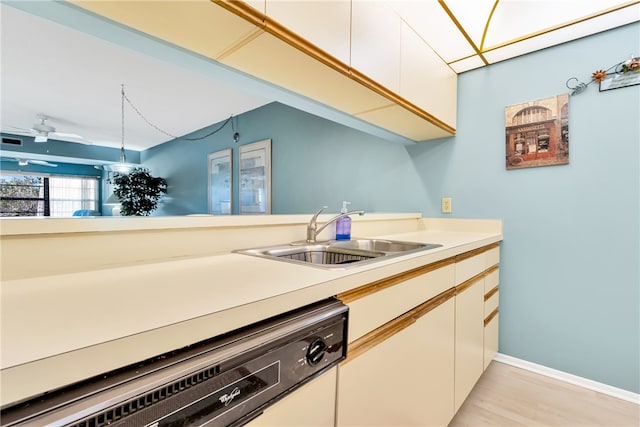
(343, 225)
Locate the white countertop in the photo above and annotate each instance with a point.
(139, 311)
(71, 311)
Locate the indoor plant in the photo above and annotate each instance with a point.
(138, 191)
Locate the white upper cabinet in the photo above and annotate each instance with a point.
(196, 25)
(325, 24)
(356, 56)
(375, 42)
(425, 79)
(259, 5)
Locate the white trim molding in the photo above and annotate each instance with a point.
(569, 378)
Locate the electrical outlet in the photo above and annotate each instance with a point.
(446, 205)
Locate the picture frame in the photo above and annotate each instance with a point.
(620, 80)
(220, 173)
(537, 133)
(255, 178)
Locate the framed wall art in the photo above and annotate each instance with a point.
(220, 182)
(537, 133)
(255, 178)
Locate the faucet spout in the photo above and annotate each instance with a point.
(313, 230)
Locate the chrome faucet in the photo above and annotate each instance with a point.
(312, 228)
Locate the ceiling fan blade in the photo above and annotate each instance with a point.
(71, 136)
(42, 163)
(18, 131)
(17, 128)
(67, 135)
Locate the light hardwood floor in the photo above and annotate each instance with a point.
(509, 397)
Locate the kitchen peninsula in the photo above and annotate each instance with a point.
(101, 293)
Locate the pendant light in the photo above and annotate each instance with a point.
(122, 166)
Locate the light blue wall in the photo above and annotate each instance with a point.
(569, 275)
(569, 278)
(315, 162)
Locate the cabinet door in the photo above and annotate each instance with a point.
(371, 312)
(406, 380)
(326, 24)
(375, 43)
(425, 79)
(491, 340)
(312, 405)
(469, 338)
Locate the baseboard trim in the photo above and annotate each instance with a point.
(569, 378)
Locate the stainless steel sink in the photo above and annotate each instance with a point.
(338, 254)
(380, 245)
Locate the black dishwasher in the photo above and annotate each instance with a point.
(224, 381)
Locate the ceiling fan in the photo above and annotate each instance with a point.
(26, 162)
(42, 131)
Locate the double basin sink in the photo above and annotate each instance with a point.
(338, 254)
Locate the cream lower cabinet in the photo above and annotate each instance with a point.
(469, 337)
(419, 341)
(405, 380)
(491, 315)
(312, 405)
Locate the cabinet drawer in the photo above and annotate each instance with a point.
(491, 280)
(375, 309)
(475, 262)
(467, 268)
(492, 257)
(491, 304)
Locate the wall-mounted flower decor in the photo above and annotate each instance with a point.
(625, 73)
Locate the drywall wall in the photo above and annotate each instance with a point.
(315, 163)
(569, 277)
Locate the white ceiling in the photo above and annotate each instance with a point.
(468, 34)
(75, 78)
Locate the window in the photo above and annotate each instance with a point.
(33, 195)
(23, 196)
(68, 194)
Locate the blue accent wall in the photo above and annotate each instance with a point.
(61, 169)
(316, 162)
(570, 275)
(62, 150)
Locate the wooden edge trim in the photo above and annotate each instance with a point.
(377, 336)
(434, 302)
(491, 293)
(367, 82)
(470, 254)
(243, 10)
(255, 17)
(373, 287)
(283, 33)
(490, 317)
(389, 329)
(468, 283)
(491, 269)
